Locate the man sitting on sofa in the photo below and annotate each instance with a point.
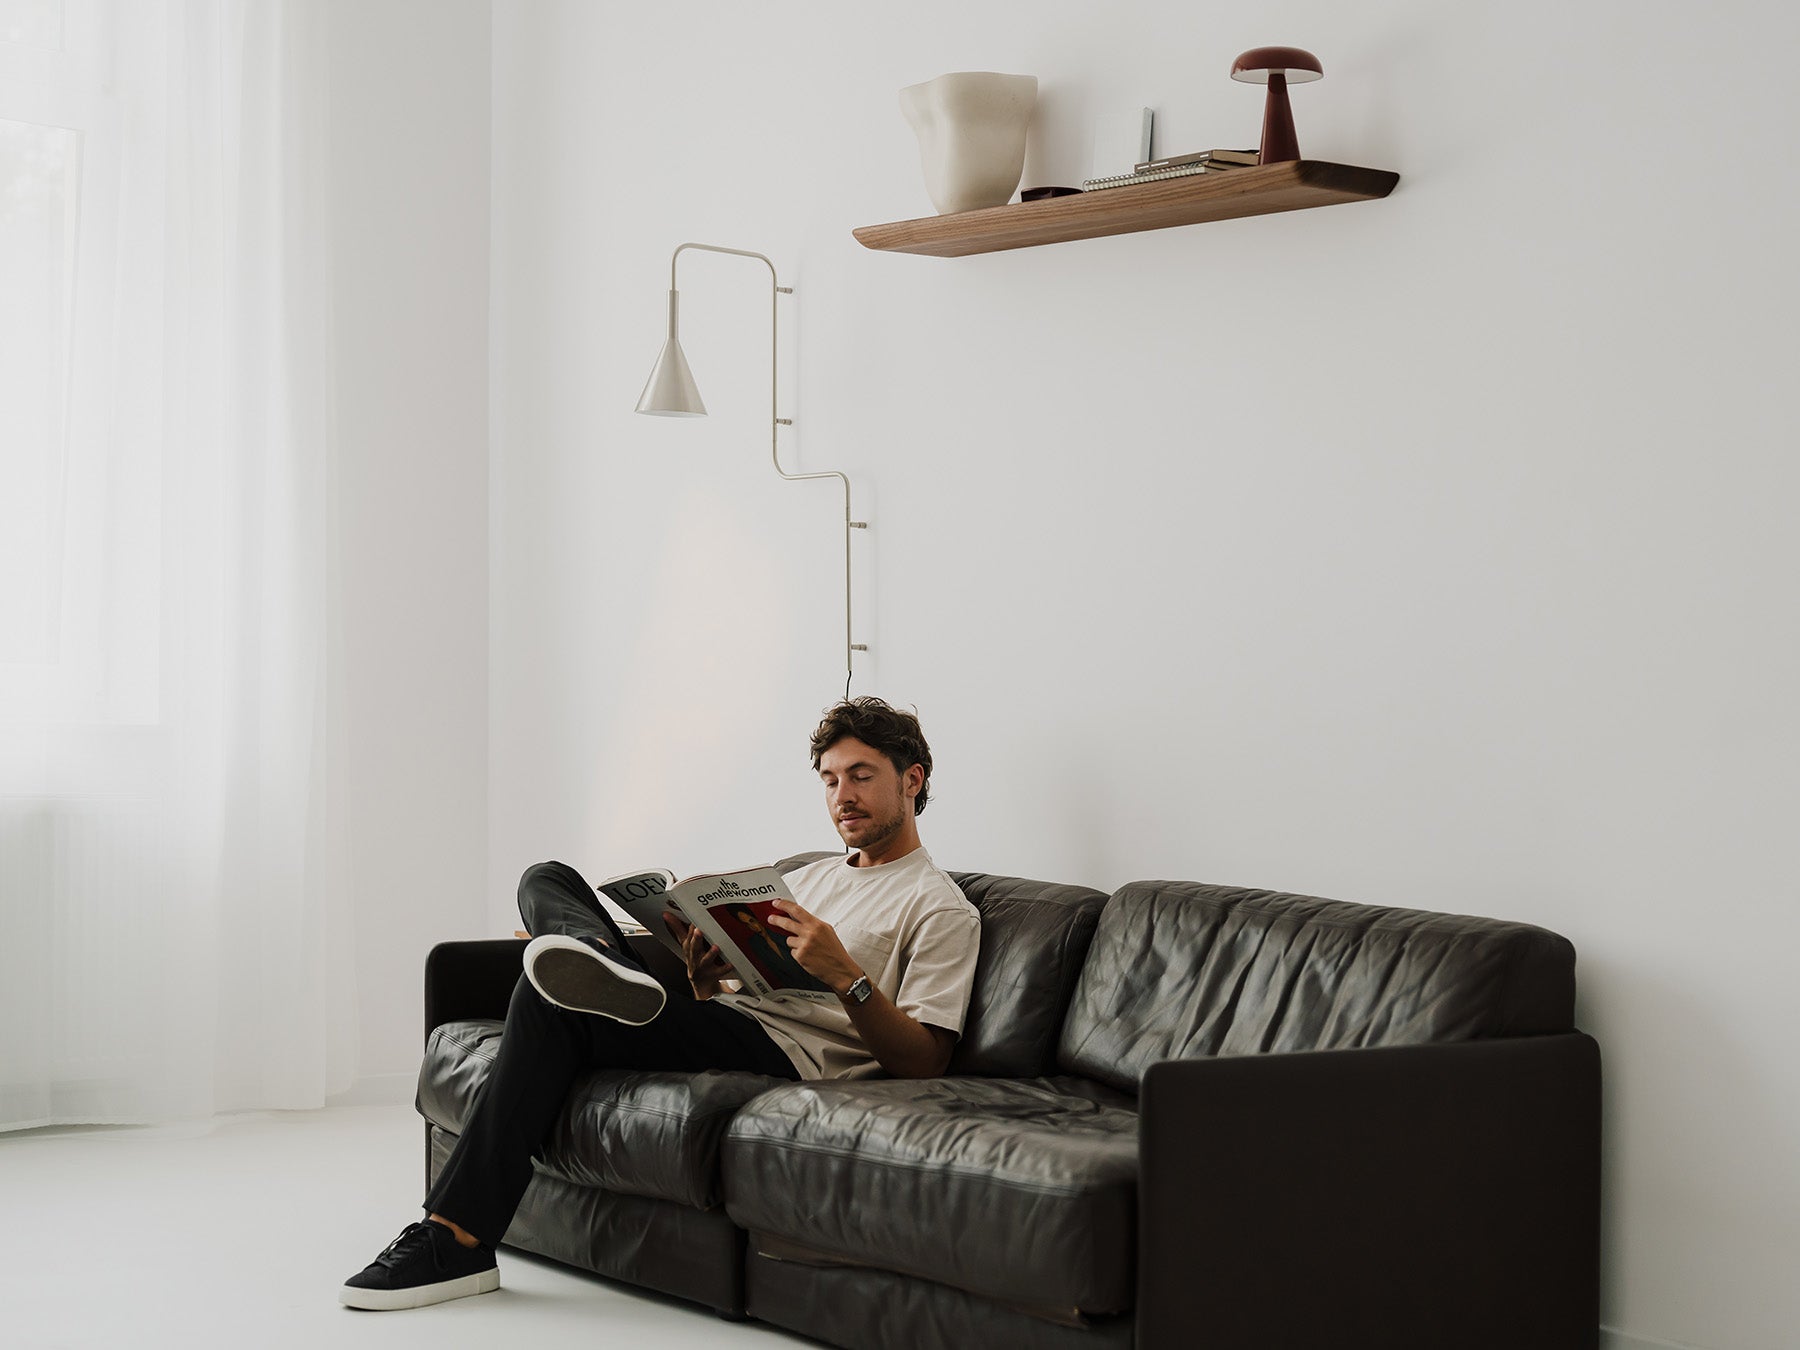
(892, 935)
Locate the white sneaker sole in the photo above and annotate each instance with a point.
(392, 1300)
(573, 975)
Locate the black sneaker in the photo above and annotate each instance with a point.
(425, 1264)
(571, 974)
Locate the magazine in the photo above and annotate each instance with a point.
(733, 910)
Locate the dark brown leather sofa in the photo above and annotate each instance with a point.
(1179, 1116)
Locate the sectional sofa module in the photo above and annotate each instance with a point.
(1182, 1115)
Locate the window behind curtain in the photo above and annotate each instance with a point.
(169, 921)
(80, 508)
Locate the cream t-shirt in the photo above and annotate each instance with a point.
(913, 933)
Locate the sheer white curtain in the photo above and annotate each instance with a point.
(170, 941)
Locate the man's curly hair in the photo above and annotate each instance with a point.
(877, 723)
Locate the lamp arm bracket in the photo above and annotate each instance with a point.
(715, 248)
(776, 423)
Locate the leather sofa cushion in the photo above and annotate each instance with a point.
(1179, 970)
(631, 1132)
(1022, 1190)
(1034, 938)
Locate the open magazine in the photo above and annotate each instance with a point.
(733, 910)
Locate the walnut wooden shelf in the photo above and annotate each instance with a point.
(1257, 191)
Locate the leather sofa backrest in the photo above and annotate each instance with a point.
(1180, 970)
(1034, 941)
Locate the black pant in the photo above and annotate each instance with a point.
(545, 1048)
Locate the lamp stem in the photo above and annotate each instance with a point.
(776, 291)
(1279, 144)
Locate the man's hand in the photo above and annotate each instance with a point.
(815, 946)
(705, 966)
(904, 1046)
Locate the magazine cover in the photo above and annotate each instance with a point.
(734, 910)
(642, 895)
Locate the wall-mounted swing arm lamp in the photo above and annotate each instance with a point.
(671, 392)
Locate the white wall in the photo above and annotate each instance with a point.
(410, 130)
(1429, 552)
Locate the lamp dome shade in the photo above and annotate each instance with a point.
(1255, 66)
(670, 390)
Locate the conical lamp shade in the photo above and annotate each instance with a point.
(671, 391)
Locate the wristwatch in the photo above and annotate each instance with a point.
(859, 990)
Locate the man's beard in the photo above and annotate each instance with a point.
(884, 833)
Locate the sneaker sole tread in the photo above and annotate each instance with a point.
(582, 982)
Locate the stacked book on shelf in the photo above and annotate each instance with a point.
(1175, 166)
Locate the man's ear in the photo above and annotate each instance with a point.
(912, 781)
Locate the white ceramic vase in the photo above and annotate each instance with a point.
(971, 130)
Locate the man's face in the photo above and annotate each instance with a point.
(871, 802)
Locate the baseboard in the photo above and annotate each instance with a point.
(1611, 1338)
(378, 1089)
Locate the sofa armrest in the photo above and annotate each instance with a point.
(474, 980)
(465, 981)
(1407, 1196)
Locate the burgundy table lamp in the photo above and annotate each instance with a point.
(1277, 67)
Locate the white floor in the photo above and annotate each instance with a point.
(238, 1233)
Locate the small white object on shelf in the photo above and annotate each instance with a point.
(1121, 141)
